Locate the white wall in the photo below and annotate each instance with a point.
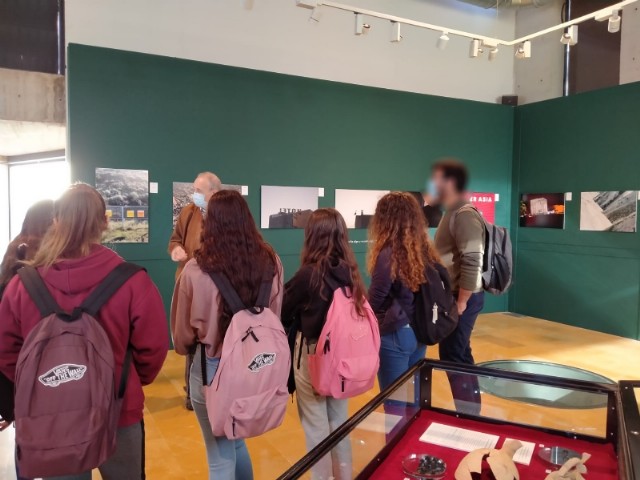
(630, 48)
(540, 77)
(275, 35)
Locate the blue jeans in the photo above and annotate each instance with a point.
(228, 459)
(398, 352)
(457, 348)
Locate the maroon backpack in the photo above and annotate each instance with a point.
(67, 405)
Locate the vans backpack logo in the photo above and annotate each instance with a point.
(67, 372)
(262, 360)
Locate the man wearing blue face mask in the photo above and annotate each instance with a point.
(431, 209)
(185, 239)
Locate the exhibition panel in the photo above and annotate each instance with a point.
(413, 430)
(175, 118)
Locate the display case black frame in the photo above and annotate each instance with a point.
(622, 426)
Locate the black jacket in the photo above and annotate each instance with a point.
(310, 305)
(391, 301)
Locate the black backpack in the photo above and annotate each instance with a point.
(497, 263)
(436, 313)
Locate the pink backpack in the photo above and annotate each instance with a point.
(67, 400)
(347, 354)
(248, 395)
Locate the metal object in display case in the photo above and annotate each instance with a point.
(557, 456)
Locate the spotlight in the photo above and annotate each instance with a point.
(475, 48)
(316, 14)
(396, 35)
(361, 26)
(493, 53)
(524, 50)
(570, 36)
(614, 22)
(443, 40)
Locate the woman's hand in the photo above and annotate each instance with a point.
(4, 425)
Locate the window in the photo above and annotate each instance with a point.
(28, 183)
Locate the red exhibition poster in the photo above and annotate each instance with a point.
(485, 203)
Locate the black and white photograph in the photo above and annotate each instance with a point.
(126, 194)
(183, 192)
(614, 211)
(287, 207)
(542, 210)
(358, 206)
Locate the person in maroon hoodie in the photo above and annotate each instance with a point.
(72, 263)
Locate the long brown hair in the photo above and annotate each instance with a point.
(326, 241)
(24, 246)
(232, 245)
(399, 223)
(79, 222)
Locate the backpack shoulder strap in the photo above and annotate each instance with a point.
(465, 208)
(38, 291)
(264, 296)
(108, 287)
(228, 292)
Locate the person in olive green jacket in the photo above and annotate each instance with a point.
(185, 239)
(460, 242)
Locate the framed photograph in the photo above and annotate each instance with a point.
(614, 211)
(542, 210)
(126, 194)
(358, 206)
(287, 207)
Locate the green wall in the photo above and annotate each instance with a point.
(586, 142)
(179, 117)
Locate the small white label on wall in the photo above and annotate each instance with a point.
(321, 192)
(153, 187)
(638, 194)
(497, 197)
(244, 190)
(568, 196)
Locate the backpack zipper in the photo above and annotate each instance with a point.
(434, 317)
(233, 426)
(327, 344)
(250, 332)
(342, 384)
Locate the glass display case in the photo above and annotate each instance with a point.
(416, 430)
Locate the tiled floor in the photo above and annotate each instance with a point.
(174, 445)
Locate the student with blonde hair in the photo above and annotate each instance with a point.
(72, 264)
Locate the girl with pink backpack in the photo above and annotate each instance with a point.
(337, 342)
(231, 268)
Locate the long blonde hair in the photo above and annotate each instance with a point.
(79, 222)
(399, 223)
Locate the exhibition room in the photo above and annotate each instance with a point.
(282, 239)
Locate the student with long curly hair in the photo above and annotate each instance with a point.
(326, 255)
(231, 245)
(399, 255)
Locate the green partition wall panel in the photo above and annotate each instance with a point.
(179, 117)
(586, 142)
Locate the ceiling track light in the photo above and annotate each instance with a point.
(361, 27)
(396, 33)
(443, 40)
(493, 53)
(316, 14)
(570, 36)
(524, 50)
(475, 48)
(614, 22)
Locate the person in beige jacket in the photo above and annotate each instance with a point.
(185, 240)
(233, 246)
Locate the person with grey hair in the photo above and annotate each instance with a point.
(185, 239)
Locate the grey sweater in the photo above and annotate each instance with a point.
(463, 249)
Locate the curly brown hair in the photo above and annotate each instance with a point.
(326, 241)
(233, 246)
(399, 223)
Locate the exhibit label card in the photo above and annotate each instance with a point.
(525, 453)
(458, 438)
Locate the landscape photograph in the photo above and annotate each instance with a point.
(613, 211)
(287, 207)
(182, 192)
(126, 195)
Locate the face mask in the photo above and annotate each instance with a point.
(432, 190)
(198, 200)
